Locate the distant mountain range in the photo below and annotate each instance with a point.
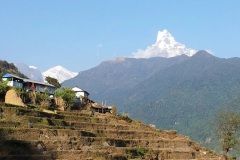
(33, 73)
(180, 93)
(167, 84)
(165, 46)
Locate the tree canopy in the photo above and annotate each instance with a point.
(53, 81)
(3, 88)
(68, 95)
(228, 128)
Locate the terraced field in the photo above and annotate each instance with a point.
(31, 134)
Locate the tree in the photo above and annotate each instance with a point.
(68, 95)
(53, 81)
(3, 88)
(228, 127)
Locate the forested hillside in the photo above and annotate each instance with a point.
(6, 67)
(181, 93)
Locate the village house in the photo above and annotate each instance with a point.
(80, 93)
(80, 96)
(27, 84)
(13, 81)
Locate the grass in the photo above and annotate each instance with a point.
(127, 138)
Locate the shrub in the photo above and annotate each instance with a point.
(68, 95)
(42, 99)
(3, 89)
(125, 117)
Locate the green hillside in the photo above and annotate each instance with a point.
(180, 93)
(187, 96)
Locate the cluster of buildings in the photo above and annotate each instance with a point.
(30, 85)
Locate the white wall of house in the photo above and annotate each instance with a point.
(13, 83)
(79, 92)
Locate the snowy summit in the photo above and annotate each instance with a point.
(165, 46)
(60, 73)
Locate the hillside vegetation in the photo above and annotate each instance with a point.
(27, 134)
(181, 93)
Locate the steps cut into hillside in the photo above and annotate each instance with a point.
(32, 134)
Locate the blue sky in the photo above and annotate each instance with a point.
(80, 34)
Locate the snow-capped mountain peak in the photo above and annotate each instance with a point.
(164, 36)
(165, 46)
(60, 73)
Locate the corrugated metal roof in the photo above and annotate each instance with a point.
(8, 75)
(46, 84)
(76, 89)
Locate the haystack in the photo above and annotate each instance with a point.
(13, 98)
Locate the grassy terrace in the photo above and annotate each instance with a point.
(77, 135)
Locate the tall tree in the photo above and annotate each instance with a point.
(53, 81)
(228, 128)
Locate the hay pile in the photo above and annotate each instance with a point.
(12, 98)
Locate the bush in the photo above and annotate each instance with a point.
(68, 95)
(42, 99)
(125, 117)
(137, 152)
(3, 89)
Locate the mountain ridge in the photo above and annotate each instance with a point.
(6, 67)
(171, 93)
(31, 72)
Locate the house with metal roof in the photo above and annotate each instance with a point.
(27, 84)
(13, 81)
(30, 85)
(80, 93)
